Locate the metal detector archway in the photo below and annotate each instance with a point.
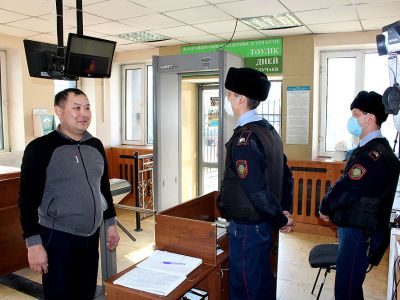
(167, 77)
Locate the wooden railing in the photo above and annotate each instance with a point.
(136, 166)
(312, 179)
(120, 166)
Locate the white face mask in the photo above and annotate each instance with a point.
(228, 107)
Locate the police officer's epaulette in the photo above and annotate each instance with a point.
(375, 154)
(244, 137)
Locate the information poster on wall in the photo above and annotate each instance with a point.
(213, 112)
(297, 117)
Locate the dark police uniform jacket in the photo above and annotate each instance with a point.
(257, 183)
(363, 196)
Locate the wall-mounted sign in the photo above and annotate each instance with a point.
(213, 112)
(263, 55)
(298, 109)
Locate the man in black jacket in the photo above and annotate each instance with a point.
(256, 191)
(64, 196)
(360, 202)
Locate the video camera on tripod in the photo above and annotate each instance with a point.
(388, 43)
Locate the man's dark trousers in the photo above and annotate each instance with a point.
(250, 275)
(73, 265)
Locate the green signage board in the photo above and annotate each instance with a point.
(264, 55)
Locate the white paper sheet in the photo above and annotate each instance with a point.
(168, 262)
(150, 281)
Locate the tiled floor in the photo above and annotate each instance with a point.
(295, 276)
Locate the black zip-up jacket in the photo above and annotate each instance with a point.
(64, 185)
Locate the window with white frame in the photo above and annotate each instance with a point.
(271, 108)
(3, 102)
(137, 105)
(343, 75)
(60, 85)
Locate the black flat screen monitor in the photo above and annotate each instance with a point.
(42, 60)
(88, 56)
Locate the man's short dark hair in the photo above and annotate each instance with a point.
(61, 97)
(252, 104)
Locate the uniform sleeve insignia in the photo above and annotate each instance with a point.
(357, 172)
(241, 168)
(244, 137)
(375, 154)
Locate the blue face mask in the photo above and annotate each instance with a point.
(354, 127)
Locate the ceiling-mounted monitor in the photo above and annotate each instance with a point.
(44, 62)
(88, 56)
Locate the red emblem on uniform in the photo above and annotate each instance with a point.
(356, 172)
(241, 168)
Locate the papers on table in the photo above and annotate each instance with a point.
(172, 263)
(222, 226)
(195, 294)
(150, 281)
(160, 273)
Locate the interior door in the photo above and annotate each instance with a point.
(209, 106)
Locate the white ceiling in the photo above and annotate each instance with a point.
(191, 21)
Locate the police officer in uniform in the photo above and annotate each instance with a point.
(360, 202)
(256, 191)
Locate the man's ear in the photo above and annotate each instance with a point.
(372, 118)
(242, 99)
(58, 111)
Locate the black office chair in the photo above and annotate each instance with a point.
(323, 257)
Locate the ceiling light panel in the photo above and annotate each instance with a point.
(143, 36)
(286, 20)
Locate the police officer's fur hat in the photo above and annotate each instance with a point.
(370, 102)
(248, 82)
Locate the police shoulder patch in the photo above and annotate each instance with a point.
(356, 172)
(375, 154)
(244, 137)
(242, 168)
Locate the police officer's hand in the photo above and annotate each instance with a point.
(37, 258)
(323, 217)
(289, 226)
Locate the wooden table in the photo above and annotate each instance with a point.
(187, 229)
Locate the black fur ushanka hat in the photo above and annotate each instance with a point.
(248, 82)
(370, 102)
